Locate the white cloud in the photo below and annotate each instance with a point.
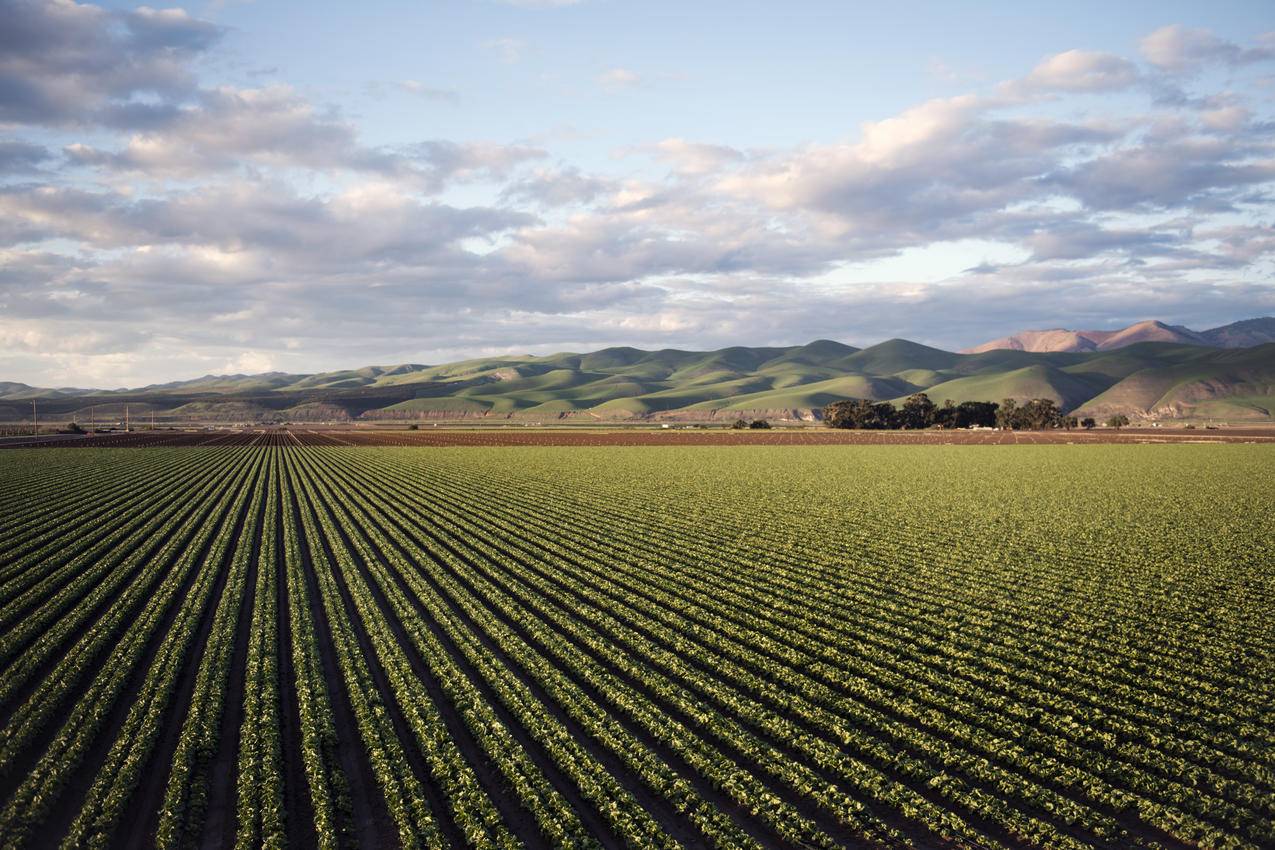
(248, 363)
(557, 187)
(229, 129)
(375, 223)
(1082, 71)
(230, 126)
(1227, 119)
(695, 157)
(1179, 49)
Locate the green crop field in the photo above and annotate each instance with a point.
(730, 647)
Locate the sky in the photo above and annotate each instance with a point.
(241, 187)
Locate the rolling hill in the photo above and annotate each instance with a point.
(1163, 379)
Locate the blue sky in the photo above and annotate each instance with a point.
(238, 186)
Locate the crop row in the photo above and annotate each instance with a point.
(288, 645)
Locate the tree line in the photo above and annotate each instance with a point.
(918, 411)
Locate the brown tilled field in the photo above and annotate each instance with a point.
(634, 437)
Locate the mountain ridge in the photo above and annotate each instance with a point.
(1241, 334)
(1149, 379)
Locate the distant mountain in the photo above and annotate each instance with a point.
(11, 390)
(1162, 377)
(1243, 334)
(1237, 335)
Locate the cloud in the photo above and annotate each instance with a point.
(229, 128)
(1081, 71)
(556, 187)
(639, 235)
(1078, 240)
(170, 30)
(197, 272)
(19, 157)
(946, 169)
(695, 157)
(192, 226)
(74, 66)
(344, 317)
(1226, 119)
(1178, 171)
(253, 225)
(1178, 49)
(445, 161)
(248, 363)
(63, 63)
(724, 224)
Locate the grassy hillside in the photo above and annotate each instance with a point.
(1149, 378)
(1190, 382)
(1243, 408)
(1037, 381)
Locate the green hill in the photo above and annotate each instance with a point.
(1038, 381)
(813, 395)
(1146, 379)
(898, 355)
(1202, 383)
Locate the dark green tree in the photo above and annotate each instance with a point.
(838, 414)
(860, 413)
(1035, 415)
(1007, 416)
(1039, 414)
(881, 415)
(946, 416)
(917, 412)
(877, 415)
(976, 414)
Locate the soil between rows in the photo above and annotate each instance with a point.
(370, 819)
(297, 805)
(514, 814)
(152, 792)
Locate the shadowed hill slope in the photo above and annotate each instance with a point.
(1164, 379)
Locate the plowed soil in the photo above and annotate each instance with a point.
(642, 437)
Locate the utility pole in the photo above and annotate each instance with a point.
(35, 425)
(126, 428)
